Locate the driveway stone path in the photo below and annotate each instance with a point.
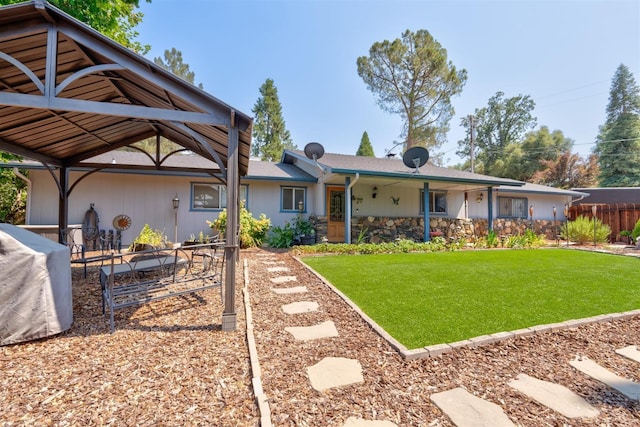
(307, 333)
(335, 372)
(283, 279)
(630, 352)
(466, 410)
(300, 307)
(629, 388)
(292, 290)
(554, 396)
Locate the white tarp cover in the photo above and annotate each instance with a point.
(35, 286)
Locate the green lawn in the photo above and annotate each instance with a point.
(430, 298)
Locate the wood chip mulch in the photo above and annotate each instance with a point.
(169, 363)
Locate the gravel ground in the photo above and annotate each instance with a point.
(169, 363)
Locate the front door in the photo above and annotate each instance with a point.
(335, 214)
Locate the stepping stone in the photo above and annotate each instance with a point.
(554, 396)
(308, 333)
(333, 372)
(467, 410)
(277, 269)
(294, 290)
(359, 422)
(627, 387)
(272, 262)
(630, 352)
(300, 307)
(283, 279)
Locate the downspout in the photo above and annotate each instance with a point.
(347, 207)
(27, 219)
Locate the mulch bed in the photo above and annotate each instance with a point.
(168, 363)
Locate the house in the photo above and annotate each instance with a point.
(385, 198)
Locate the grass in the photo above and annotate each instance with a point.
(429, 298)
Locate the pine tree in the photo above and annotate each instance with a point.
(618, 145)
(365, 148)
(270, 135)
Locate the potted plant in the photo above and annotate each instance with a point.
(625, 236)
(304, 231)
(148, 239)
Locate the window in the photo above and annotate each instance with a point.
(437, 202)
(512, 207)
(293, 199)
(212, 196)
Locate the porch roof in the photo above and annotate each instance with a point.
(394, 168)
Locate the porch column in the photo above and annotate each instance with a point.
(426, 219)
(63, 201)
(490, 208)
(231, 238)
(347, 210)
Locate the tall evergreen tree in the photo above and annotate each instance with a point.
(173, 62)
(270, 134)
(618, 146)
(413, 78)
(365, 148)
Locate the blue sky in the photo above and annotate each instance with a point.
(561, 53)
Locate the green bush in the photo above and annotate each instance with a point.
(147, 236)
(581, 231)
(281, 237)
(635, 233)
(253, 231)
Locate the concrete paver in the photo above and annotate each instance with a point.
(300, 307)
(554, 396)
(293, 290)
(625, 386)
(359, 422)
(467, 410)
(307, 333)
(283, 279)
(630, 352)
(333, 372)
(277, 269)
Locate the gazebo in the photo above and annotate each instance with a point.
(68, 93)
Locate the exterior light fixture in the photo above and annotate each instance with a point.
(175, 202)
(301, 206)
(531, 216)
(479, 198)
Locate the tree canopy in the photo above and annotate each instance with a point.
(365, 148)
(500, 127)
(412, 77)
(115, 19)
(173, 62)
(618, 144)
(270, 134)
(569, 170)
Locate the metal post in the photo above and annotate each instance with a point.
(555, 230)
(566, 220)
(594, 210)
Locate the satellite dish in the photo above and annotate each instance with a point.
(415, 157)
(314, 150)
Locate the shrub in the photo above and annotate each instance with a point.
(253, 231)
(147, 236)
(581, 231)
(281, 237)
(635, 233)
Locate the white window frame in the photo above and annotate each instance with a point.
(442, 195)
(297, 194)
(507, 203)
(213, 205)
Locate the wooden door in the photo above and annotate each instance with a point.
(335, 214)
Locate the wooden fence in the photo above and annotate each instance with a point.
(619, 216)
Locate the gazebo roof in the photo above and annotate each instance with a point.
(68, 93)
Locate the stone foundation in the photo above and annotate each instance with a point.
(388, 229)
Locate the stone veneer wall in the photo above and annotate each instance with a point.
(388, 229)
